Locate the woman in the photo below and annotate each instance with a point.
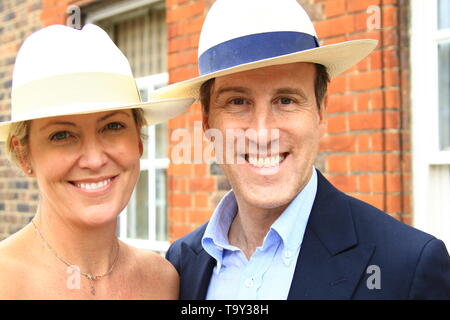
(76, 123)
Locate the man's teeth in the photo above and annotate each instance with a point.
(266, 162)
(93, 186)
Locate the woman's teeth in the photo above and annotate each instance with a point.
(93, 186)
(265, 162)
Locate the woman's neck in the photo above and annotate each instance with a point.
(92, 249)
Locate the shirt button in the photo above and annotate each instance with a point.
(287, 254)
(249, 283)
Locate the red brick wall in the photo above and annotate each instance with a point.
(366, 152)
(367, 147)
(55, 11)
(191, 187)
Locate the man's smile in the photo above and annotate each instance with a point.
(265, 161)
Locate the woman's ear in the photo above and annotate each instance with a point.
(21, 155)
(141, 147)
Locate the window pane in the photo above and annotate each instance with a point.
(142, 38)
(444, 14)
(137, 212)
(161, 206)
(161, 140)
(144, 95)
(444, 95)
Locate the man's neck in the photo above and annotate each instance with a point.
(250, 226)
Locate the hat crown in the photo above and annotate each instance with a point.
(61, 71)
(60, 50)
(231, 19)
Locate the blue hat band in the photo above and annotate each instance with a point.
(252, 48)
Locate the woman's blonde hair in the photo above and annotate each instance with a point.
(20, 130)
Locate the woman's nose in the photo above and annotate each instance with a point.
(93, 155)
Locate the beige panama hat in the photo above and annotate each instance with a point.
(240, 35)
(63, 71)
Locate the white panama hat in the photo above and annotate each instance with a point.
(241, 35)
(64, 71)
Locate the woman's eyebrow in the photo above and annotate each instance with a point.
(113, 114)
(68, 123)
(62, 123)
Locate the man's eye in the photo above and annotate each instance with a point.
(238, 101)
(61, 135)
(286, 100)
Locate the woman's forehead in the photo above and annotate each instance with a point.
(96, 116)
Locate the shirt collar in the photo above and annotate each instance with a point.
(290, 226)
(215, 238)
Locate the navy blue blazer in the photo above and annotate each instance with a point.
(350, 250)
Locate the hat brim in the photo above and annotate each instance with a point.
(335, 57)
(155, 111)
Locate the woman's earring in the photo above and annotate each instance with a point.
(30, 171)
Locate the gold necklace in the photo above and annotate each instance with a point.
(89, 276)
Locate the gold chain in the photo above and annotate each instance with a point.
(89, 276)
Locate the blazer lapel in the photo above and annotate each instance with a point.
(196, 269)
(331, 262)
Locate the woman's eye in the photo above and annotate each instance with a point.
(114, 126)
(61, 135)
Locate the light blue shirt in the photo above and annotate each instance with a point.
(268, 274)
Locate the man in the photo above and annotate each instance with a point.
(284, 232)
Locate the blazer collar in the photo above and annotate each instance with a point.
(197, 266)
(331, 261)
(331, 218)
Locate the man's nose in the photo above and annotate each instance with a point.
(262, 118)
(93, 155)
(263, 126)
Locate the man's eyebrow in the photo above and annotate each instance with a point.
(68, 123)
(288, 90)
(231, 89)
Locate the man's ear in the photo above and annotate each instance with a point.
(323, 116)
(20, 151)
(205, 119)
(325, 102)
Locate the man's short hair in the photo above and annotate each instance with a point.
(320, 88)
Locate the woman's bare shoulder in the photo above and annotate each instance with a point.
(16, 265)
(155, 269)
(11, 273)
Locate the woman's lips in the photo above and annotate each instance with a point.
(96, 185)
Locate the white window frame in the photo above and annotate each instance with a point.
(115, 9)
(151, 164)
(426, 152)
